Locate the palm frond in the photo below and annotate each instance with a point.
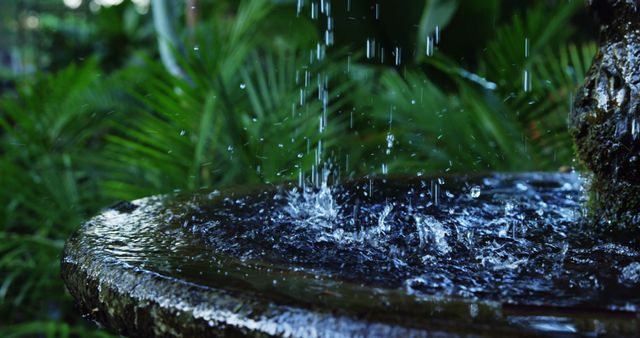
(443, 132)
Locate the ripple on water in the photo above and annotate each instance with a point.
(510, 238)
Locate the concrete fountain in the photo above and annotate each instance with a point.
(529, 254)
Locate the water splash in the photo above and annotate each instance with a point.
(390, 233)
(432, 232)
(475, 191)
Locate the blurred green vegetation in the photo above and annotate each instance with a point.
(89, 115)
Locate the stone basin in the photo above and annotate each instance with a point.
(485, 255)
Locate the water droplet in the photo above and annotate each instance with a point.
(390, 139)
(371, 48)
(243, 85)
(183, 132)
(398, 55)
(213, 194)
(299, 7)
(314, 10)
(475, 191)
(473, 310)
(429, 46)
(526, 79)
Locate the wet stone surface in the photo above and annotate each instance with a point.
(605, 119)
(469, 255)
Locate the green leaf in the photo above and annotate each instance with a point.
(435, 15)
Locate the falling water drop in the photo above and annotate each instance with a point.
(398, 55)
(390, 139)
(371, 48)
(429, 46)
(314, 10)
(299, 7)
(527, 81)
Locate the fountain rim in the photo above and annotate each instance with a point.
(216, 310)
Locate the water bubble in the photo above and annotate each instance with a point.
(413, 101)
(475, 191)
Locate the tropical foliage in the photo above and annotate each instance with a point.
(258, 103)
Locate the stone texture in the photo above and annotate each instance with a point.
(605, 119)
